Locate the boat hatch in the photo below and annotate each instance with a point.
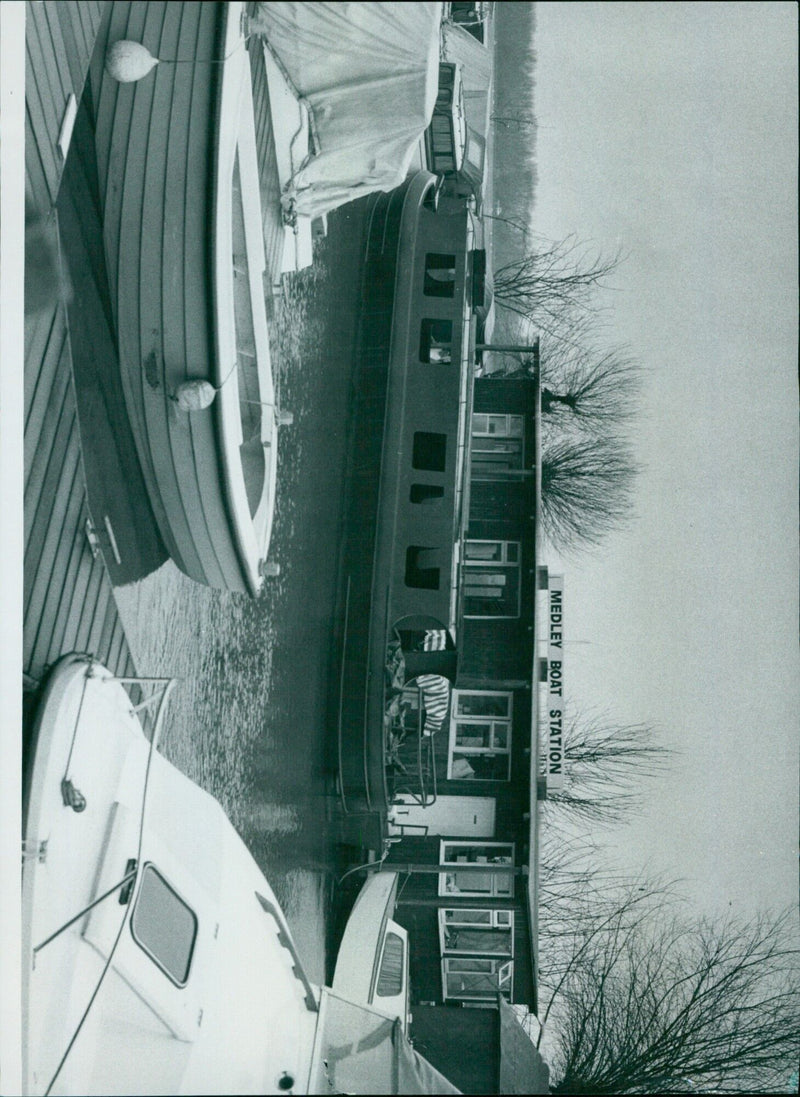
(164, 926)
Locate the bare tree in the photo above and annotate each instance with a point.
(553, 287)
(605, 764)
(587, 487)
(651, 1002)
(594, 391)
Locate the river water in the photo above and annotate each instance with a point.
(248, 720)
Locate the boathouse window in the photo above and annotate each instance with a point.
(491, 579)
(435, 341)
(426, 493)
(476, 978)
(498, 442)
(164, 926)
(483, 932)
(430, 451)
(390, 977)
(423, 567)
(440, 275)
(470, 868)
(480, 736)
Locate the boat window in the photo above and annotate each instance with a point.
(429, 452)
(435, 343)
(440, 275)
(426, 493)
(164, 926)
(423, 567)
(390, 977)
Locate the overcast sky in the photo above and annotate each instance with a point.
(669, 131)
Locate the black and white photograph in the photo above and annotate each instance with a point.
(400, 601)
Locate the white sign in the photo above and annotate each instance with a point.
(554, 713)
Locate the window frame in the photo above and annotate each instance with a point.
(148, 865)
(456, 721)
(427, 342)
(492, 925)
(508, 434)
(492, 567)
(497, 880)
(502, 967)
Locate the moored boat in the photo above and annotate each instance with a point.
(180, 192)
(156, 958)
(372, 961)
(407, 495)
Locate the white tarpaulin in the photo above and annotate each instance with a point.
(368, 74)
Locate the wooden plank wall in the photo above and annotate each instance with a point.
(68, 599)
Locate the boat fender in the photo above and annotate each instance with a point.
(194, 395)
(127, 62)
(72, 797)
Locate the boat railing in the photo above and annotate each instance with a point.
(409, 754)
(285, 938)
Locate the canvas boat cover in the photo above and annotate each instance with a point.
(368, 74)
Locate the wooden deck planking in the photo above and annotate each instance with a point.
(46, 528)
(57, 612)
(51, 590)
(67, 595)
(39, 331)
(47, 465)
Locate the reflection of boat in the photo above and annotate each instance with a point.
(180, 185)
(403, 544)
(372, 962)
(155, 956)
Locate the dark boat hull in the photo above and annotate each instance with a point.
(396, 396)
(155, 153)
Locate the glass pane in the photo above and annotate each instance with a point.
(474, 735)
(390, 978)
(480, 940)
(459, 964)
(500, 736)
(484, 550)
(480, 766)
(469, 917)
(430, 451)
(483, 704)
(478, 882)
(512, 552)
(164, 926)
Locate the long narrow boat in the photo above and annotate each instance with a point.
(156, 958)
(406, 506)
(180, 190)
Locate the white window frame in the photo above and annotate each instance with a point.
(503, 562)
(457, 721)
(506, 432)
(499, 881)
(502, 967)
(498, 919)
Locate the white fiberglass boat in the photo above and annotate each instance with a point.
(156, 958)
(372, 962)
